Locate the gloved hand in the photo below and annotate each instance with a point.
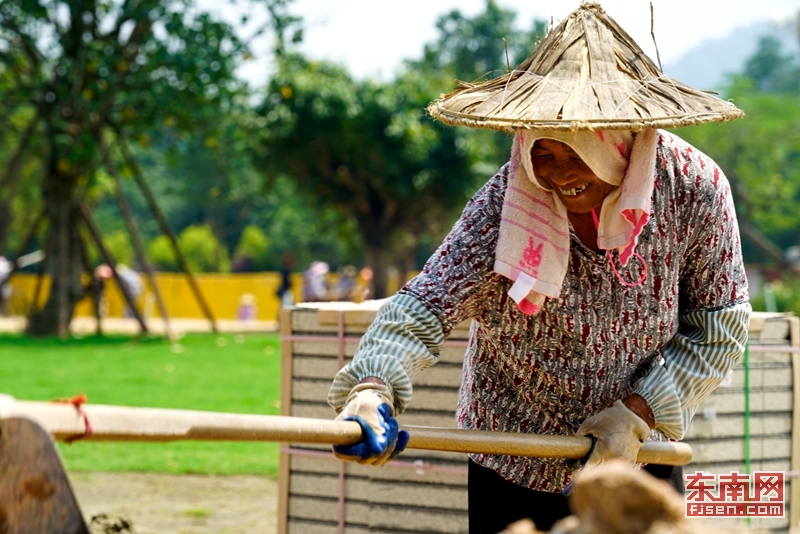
(371, 406)
(619, 432)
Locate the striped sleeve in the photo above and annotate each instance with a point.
(696, 359)
(404, 339)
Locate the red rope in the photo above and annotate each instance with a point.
(77, 401)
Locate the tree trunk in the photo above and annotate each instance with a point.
(378, 260)
(62, 246)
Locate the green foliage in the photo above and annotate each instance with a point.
(120, 247)
(128, 67)
(160, 253)
(19, 210)
(296, 224)
(771, 70)
(365, 148)
(368, 149)
(253, 249)
(148, 373)
(783, 294)
(86, 73)
(200, 247)
(475, 48)
(760, 155)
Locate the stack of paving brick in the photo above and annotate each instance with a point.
(425, 492)
(419, 492)
(757, 425)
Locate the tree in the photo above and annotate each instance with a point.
(471, 49)
(368, 148)
(475, 48)
(365, 148)
(251, 252)
(770, 69)
(200, 247)
(89, 72)
(760, 155)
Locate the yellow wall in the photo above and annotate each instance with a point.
(221, 291)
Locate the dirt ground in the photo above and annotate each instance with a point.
(181, 504)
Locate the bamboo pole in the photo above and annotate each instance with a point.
(165, 227)
(136, 238)
(118, 423)
(98, 240)
(95, 288)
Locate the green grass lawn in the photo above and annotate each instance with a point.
(226, 373)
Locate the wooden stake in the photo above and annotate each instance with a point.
(62, 271)
(284, 460)
(119, 423)
(138, 246)
(98, 240)
(165, 227)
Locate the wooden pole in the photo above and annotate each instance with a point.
(118, 423)
(165, 227)
(284, 460)
(95, 288)
(62, 271)
(98, 240)
(138, 246)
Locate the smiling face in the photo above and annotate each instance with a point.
(561, 169)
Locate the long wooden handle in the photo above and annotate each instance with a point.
(540, 445)
(121, 423)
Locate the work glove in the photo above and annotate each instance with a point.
(619, 433)
(370, 405)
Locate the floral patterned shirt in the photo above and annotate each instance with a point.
(671, 339)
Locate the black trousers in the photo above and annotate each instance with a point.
(494, 502)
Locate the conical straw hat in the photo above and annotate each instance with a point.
(586, 74)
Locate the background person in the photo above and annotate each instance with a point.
(315, 282)
(133, 283)
(345, 286)
(5, 293)
(284, 292)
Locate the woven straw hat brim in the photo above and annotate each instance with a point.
(587, 74)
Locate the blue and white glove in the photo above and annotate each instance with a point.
(371, 406)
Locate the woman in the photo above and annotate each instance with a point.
(602, 270)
